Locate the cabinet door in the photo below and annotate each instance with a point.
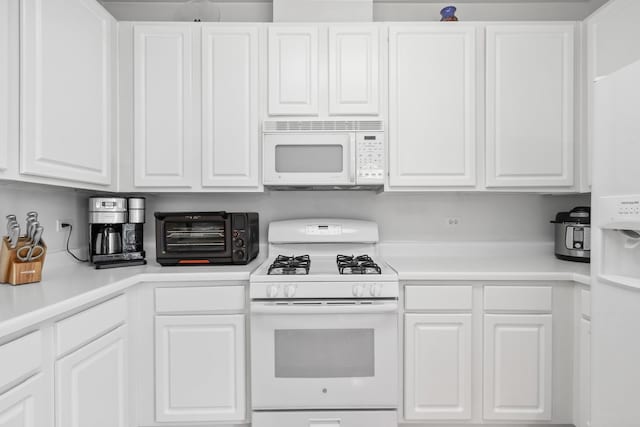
(293, 70)
(91, 383)
(517, 367)
(9, 83)
(164, 154)
(584, 390)
(530, 105)
(230, 123)
(437, 366)
(67, 90)
(200, 368)
(432, 113)
(28, 404)
(353, 69)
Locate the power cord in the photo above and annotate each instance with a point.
(65, 225)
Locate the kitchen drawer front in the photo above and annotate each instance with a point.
(438, 298)
(325, 419)
(201, 299)
(585, 303)
(90, 324)
(20, 358)
(518, 298)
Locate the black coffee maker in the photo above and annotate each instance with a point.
(116, 231)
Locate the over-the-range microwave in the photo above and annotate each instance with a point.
(323, 153)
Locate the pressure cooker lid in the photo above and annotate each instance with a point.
(580, 215)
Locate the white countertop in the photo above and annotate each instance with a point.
(482, 261)
(68, 285)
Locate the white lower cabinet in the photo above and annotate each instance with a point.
(517, 367)
(200, 368)
(28, 404)
(438, 366)
(92, 382)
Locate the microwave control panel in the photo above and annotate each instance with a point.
(370, 158)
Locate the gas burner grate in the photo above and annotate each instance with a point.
(284, 265)
(362, 264)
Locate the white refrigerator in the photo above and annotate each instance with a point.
(615, 263)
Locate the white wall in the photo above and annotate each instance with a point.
(51, 203)
(401, 217)
(614, 32)
(261, 11)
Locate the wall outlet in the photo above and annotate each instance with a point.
(453, 222)
(59, 223)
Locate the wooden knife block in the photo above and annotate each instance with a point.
(16, 272)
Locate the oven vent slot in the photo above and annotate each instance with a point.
(321, 125)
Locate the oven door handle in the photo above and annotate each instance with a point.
(376, 308)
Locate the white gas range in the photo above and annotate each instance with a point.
(324, 328)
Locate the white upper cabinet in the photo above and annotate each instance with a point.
(67, 90)
(230, 122)
(353, 69)
(432, 105)
(164, 154)
(293, 70)
(9, 83)
(530, 105)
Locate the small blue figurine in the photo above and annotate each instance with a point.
(448, 14)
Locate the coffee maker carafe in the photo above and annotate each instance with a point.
(116, 231)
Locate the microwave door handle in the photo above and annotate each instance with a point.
(352, 142)
(267, 308)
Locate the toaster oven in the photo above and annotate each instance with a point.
(206, 238)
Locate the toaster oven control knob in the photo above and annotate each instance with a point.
(358, 290)
(272, 291)
(290, 291)
(239, 243)
(375, 290)
(239, 254)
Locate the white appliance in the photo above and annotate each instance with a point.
(615, 336)
(323, 153)
(324, 345)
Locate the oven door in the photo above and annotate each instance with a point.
(309, 158)
(329, 355)
(193, 236)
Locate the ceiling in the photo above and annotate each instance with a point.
(376, 1)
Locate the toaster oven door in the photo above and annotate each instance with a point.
(194, 236)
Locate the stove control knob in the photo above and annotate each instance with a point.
(272, 291)
(358, 290)
(290, 291)
(375, 290)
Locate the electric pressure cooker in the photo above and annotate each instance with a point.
(573, 235)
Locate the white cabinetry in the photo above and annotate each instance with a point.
(437, 366)
(324, 70)
(194, 121)
(583, 359)
(530, 105)
(92, 382)
(230, 124)
(438, 353)
(353, 70)
(28, 404)
(200, 368)
(9, 84)
(517, 367)
(432, 105)
(293, 70)
(164, 144)
(67, 88)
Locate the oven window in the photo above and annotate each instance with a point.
(195, 236)
(309, 158)
(324, 353)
